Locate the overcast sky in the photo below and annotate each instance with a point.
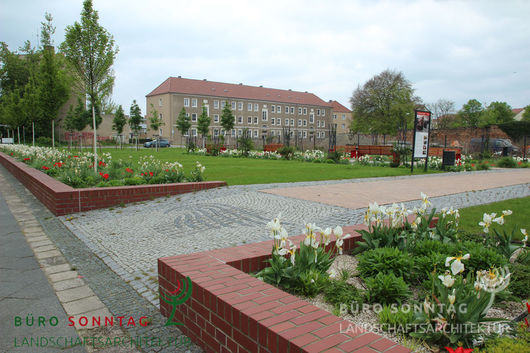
(455, 50)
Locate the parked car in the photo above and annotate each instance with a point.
(153, 143)
(495, 145)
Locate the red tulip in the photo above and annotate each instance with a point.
(459, 350)
(102, 164)
(128, 170)
(26, 159)
(45, 168)
(151, 173)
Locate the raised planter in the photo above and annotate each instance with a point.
(62, 199)
(231, 311)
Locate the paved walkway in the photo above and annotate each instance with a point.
(358, 195)
(25, 293)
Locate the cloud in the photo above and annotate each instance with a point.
(455, 50)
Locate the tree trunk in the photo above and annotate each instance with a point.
(95, 139)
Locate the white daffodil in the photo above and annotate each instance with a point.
(338, 231)
(507, 212)
(451, 298)
(486, 221)
(525, 239)
(332, 273)
(425, 200)
(499, 220)
(447, 280)
(416, 223)
(327, 235)
(456, 266)
(339, 244)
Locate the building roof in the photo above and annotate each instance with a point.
(230, 90)
(517, 110)
(337, 107)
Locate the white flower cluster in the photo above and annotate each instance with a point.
(489, 218)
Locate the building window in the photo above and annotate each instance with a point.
(286, 110)
(193, 117)
(323, 123)
(279, 109)
(311, 118)
(216, 118)
(186, 102)
(334, 116)
(272, 133)
(240, 120)
(292, 122)
(286, 122)
(256, 133)
(233, 106)
(305, 122)
(318, 112)
(299, 111)
(239, 132)
(239, 105)
(318, 134)
(249, 120)
(292, 110)
(323, 134)
(193, 132)
(343, 126)
(300, 134)
(194, 102)
(255, 120)
(279, 121)
(335, 125)
(305, 111)
(318, 123)
(249, 107)
(299, 122)
(273, 121)
(223, 103)
(215, 104)
(323, 112)
(256, 107)
(159, 102)
(264, 115)
(186, 133)
(273, 109)
(305, 134)
(343, 116)
(215, 132)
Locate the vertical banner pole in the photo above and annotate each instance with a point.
(413, 142)
(428, 142)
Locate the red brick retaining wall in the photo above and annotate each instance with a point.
(231, 311)
(62, 199)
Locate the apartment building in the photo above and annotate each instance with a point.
(342, 117)
(266, 112)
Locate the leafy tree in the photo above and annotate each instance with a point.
(383, 104)
(155, 121)
(497, 113)
(470, 113)
(54, 84)
(32, 106)
(118, 123)
(245, 142)
(227, 120)
(442, 110)
(183, 122)
(135, 120)
(203, 123)
(526, 114)
(89, 48)
(12, 109)
(77, 119)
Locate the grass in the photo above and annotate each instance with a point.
(240, 171)
(471, 216)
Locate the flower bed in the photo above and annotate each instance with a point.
(77, 170)
(62, 199)
(421, 279)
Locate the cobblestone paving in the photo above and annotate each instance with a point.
(131, 239)
(117, 289)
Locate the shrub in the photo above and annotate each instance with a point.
(425, 265)
(480, 257)
(427, 246)
(43, 141)
(286, 152)
(334, 156)
(520, 343)
(385, 260)
(393, 319)
(340, 292)
(506, 162)
(520, 278)
(133, 181)
(385, 288)
(484, 165)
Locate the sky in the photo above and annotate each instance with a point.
(455, 50)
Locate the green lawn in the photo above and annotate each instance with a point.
(238, 171)
(471, 216)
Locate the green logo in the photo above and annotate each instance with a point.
(177, 297)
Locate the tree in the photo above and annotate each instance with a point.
(497, 113)
(384, 104)
(135, 120)
(119, 122)
(77, 119)
(442, 110)
(526, 114)
(183, 122)
(155, 121)
(89, 48)
(203, 123)
(470, 113)
(227, 120)
(54, 84)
